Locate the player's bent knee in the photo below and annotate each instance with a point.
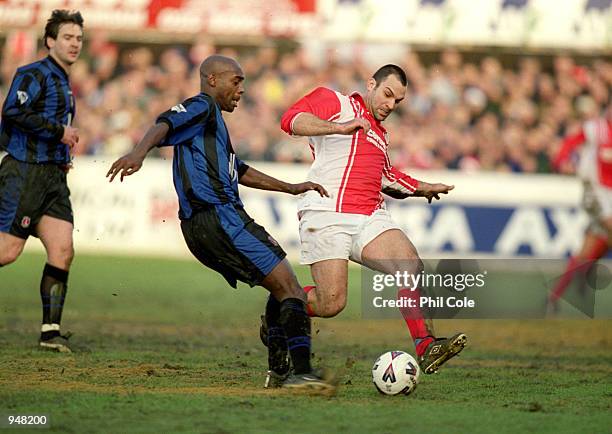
(10, 255)
(62, 256)
(7, 258)
(331, 309)
(411, 266)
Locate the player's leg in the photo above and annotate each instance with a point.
(27, 190)
(389, 252)
(14, 215)
(288, 323)
(56, 236)
(594, 246)
(327, 298)
(597, 202)
(11, 247)
(326, 238)
(227, 239)
(286, 313)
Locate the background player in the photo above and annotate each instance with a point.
(34, 197)
(349, 146)
(217, 230)
(594, 140)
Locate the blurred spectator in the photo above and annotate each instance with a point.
(457, 115)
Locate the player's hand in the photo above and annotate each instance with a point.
(307, 186)
(432, 191)
(127, 165)
(70, 137)
(350, 127)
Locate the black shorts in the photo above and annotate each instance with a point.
(29, 191)
(226, 239)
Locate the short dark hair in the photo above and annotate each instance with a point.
(385, 71)
(59, 17)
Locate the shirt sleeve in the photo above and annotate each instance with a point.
(397, 184)
(186, 114)
(18, 109)
(321, 102)
(569, 145)
(241, 166)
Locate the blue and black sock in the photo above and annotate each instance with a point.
(53, 287)
(277, 340)
(296, 323)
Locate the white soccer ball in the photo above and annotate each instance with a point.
(395, 373)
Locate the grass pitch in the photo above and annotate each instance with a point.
(169, 347)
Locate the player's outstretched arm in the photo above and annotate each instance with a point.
(307, 124)
(431, 191)
(255, 179)
(132, 162)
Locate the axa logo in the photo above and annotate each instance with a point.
(22, 96)
(179, 108)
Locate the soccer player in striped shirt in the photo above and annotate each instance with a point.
(217, 229)
(37, 135)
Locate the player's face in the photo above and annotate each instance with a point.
(384, 97)
(67, 47)
(230, 89)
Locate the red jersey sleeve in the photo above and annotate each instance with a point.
(321, 102)
(569, 145)
(397, 184)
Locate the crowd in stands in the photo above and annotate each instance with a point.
(457, 114)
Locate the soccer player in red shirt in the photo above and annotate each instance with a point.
(349, 146)
(594, 140)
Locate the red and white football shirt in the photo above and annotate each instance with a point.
(353, 168)
(596, 154)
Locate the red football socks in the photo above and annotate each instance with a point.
(309, 310)
(575, 266)
(415, 320)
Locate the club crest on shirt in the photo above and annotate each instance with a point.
(25, 222)
(22, 96)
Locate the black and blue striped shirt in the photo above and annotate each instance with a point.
(205, 167)
(37, 107)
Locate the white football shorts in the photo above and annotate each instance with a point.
(597, 201)
(333, 235)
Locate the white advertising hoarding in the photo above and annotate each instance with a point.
(502, 215)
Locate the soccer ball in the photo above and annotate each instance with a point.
(395, 373)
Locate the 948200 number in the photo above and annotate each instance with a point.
(22, 419)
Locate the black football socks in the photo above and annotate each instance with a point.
(277, 340)
(296, 324)
(53, 287)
